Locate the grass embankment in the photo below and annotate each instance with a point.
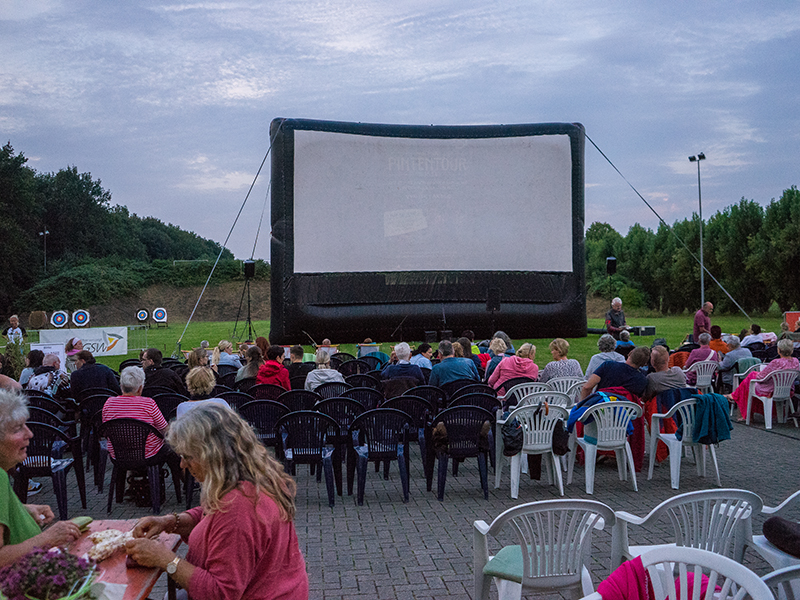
(673, 328)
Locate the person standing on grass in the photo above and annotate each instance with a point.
(702, 321)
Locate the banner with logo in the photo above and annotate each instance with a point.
(100, 341)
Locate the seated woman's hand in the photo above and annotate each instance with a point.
(149, 553)
(41, 513)
(150, 527)
(60, 534)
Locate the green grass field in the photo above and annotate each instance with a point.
(673, 328)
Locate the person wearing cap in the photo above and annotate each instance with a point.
(72, 347)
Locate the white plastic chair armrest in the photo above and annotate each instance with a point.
(629, 518)
(481, 527)
(776, 510)
(593, 596)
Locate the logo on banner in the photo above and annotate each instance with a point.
(106, 344)
(59, 318)
(80, 317)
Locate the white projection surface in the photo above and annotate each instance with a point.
(377, 204)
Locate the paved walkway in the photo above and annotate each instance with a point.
(423, 549)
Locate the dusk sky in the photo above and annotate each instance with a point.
(169, 104)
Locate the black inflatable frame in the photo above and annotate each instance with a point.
(348, 307)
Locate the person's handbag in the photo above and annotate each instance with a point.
(513, 437)
(560, 439)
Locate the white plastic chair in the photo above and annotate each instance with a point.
(605, 427)
(552, 551)
(777, 558)
(521, 390)
(531, 399)
(739, 377)
(537, 431)
(782, 381)
(686, 411)
(714, 520)
(785, 581)
(704, 370)
(564, 384)
(669, 567)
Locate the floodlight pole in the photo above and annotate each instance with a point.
(697, 159)
(44, 235)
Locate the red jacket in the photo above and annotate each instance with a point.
(275, 373)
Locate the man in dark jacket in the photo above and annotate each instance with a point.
(91, 374)
(156, 375)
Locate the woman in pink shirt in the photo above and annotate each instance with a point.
(521, 365)
(242, 541)
(785, 361)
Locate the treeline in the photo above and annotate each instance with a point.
(753, 251)
(95, 250)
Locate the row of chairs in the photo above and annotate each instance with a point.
(554, 542)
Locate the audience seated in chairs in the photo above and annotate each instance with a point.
(156, 375)
(298, 368)
(273, 371)
(606, 344)
(403, 369)
(451, 367)
(91, 374)
(254, 359)
(200, 382)
(728, 365)
(703, 353)
(422, 356)
(520, 365)
(323, 373)
(131, 405)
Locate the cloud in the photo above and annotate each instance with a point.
(204, 176)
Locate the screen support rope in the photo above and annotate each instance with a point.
(671, 230)
(225, 243)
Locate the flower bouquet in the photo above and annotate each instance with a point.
(42, 574)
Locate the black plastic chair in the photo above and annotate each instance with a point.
(451, 387)
(382, 435)
(352, 367)
(299, 399)
(485, 401)
(94, 392)
(344, 411)
(154, 390)
(225, 369)
(40, 463)
(49, 404)
(332, 389)
(298, 382)
(128, 438)
(303, 438)
(370, 398)
(373, 361)
(168, 403)
(363, 380)
(89, 407)
(266, 391)
(235, 399)
(432, 394)
(180, 369)
(41, 415)
(129, 362)
(220, 389)
(228, 380)
(464, 440)
(426, 373)
(421, 412)
(262, 416)
(475, 388)
(243, 385)
(342, 356)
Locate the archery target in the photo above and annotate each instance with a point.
(142, 315)
(59, 318)
(80, 317)
(160, 315)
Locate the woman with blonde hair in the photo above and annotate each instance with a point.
(200, 383)
(497, 348)
(561, 365)
(223, 355)
(197, 358)
(520, 365)
(242, 540)
(254, 361)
